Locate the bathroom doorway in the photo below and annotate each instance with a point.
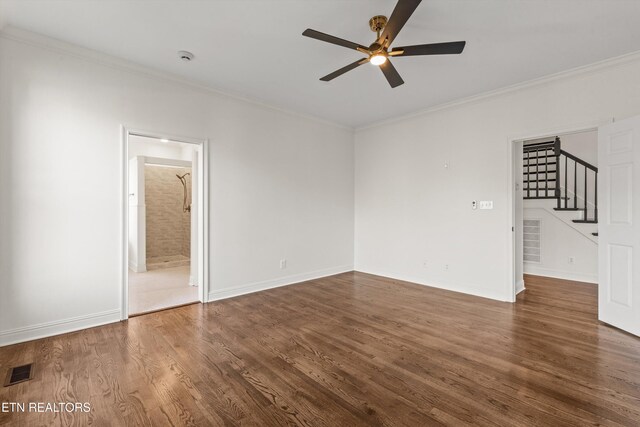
(164, 222)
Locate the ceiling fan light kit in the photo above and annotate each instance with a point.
(378, 52)
(378, 59)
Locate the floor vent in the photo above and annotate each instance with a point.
(19, 374)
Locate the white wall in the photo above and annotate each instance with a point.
(281, 185)
(410, 208)
(582, 144)
(559, 242)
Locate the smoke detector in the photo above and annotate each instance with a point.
(185, 56)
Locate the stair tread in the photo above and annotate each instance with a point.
(539, 180)
(567, 209)
(585, 221)
(595, 234)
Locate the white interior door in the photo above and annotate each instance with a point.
(619, 224)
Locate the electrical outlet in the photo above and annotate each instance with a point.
(425, 264)
(283, 264)
(572, 260)
(446, 267)
(486, 204)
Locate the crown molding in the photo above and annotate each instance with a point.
(41, 41)
(54, 45)
(540, 81)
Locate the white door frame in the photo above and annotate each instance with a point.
(203, 211)
(511, 181)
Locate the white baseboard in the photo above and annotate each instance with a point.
(230, 292)
(558, 274)
(42, 330)
(142, 268)
(462, 288)
(519, 286)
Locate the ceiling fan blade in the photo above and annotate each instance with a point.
(331, 39)
(449, 48)
(400, 15)
(392, 75)
(343, 70)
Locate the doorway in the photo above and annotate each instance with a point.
(554, 203)
(164, 236)
(611, 205)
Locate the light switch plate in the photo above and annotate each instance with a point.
(486, 204)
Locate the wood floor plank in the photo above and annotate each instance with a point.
(352, 349)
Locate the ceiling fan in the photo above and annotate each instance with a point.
(378, 52)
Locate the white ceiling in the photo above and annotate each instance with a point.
(254, 48)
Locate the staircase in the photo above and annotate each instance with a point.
(552, 173)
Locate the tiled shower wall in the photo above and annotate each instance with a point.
(168, 227)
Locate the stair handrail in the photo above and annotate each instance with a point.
(579, 160)
(587, 166)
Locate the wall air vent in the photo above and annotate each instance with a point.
(531, 240)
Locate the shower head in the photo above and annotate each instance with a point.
(186, 207)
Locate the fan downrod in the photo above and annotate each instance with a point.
(377, 24)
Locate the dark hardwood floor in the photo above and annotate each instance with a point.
(348, 350)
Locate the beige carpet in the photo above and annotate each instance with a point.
(159, 289)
